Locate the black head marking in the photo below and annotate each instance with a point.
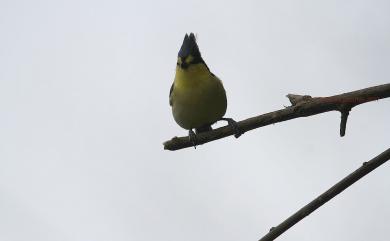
(189, 47)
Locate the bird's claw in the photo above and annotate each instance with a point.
(233, 124)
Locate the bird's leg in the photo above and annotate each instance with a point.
(233, 124)
(192, 137)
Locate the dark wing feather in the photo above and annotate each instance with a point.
(170, 93)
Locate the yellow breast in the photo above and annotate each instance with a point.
(198, 97)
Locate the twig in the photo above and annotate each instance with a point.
(343, 122)
(302, 106)
(366, 168)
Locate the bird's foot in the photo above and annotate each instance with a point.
(233, 124)
(192, 137)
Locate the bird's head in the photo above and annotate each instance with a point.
(189, 52)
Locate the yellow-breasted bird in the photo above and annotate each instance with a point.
(197, 96)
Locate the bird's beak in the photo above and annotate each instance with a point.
(183, 65)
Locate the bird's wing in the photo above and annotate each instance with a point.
(170, 95)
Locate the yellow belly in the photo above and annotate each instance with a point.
(197, 99)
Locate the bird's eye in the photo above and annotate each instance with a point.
(177, 63)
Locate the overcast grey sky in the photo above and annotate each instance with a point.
(84, 111)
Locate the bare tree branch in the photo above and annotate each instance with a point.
(366, 168)
(302, 106)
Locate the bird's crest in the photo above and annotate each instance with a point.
(189, 47)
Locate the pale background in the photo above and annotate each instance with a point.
(84, 111)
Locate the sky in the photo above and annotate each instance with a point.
(84, 112)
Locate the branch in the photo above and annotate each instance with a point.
(301, 106)
(366, 168)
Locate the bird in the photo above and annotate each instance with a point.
(197, 96)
